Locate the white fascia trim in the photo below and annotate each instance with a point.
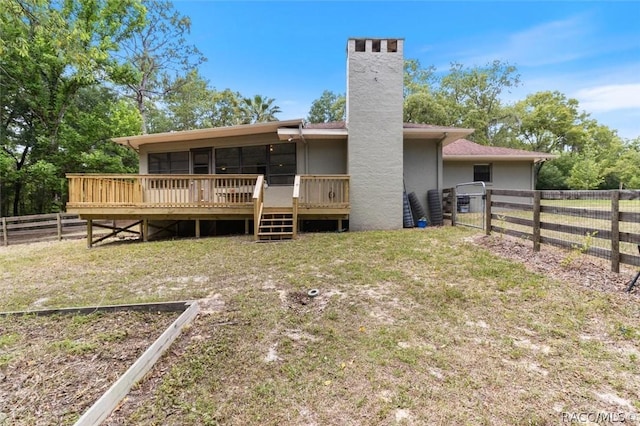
(200, 134)
(284, 134)
(449, 135)
(531, 158)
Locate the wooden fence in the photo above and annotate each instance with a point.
(600, 223)
(54, 226)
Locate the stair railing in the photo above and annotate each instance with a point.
(296, 197)
(258, 205)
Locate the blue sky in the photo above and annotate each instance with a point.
(293, 50)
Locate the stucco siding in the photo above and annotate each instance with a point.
(505, 175)
(421, 168)
(323, 157)
(374, 122)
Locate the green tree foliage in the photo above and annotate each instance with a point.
(464, 97)
(160, 55)
(550, 122)
(627, 167)
(418, 79)
(472, 96)
(258, 109)
(51, 50)
(193, 105)
(327, 108)
(585, 173)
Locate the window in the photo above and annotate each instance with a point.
(201, 158)
(482, 172)
(277, 162)
(169, 163)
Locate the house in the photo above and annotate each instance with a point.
(270, 178)
(498, 167)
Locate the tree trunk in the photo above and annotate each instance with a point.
(17, 189)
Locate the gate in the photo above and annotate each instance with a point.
(470, 202)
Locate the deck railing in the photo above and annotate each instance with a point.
(324, 191)
(258, 204)
(87, 190)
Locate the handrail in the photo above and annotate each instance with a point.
(258, 204)
(296, 197)
(324, 191)
(161, 190)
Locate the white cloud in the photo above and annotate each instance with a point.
(609, 97)
(547, 43)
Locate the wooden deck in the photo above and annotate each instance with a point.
(204, 197)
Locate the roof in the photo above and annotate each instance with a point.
(463, 149)
(289, 130)
(338, 129)
(211, 133)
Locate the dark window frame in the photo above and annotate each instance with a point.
(270, 164)
(483, 172)
(171, 164)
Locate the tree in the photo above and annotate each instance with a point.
(160, 55)
(549, 122)
(464, 97)
(50, 50)
(585, 173)
(327, 108)
(188, 105)
(418, 79)
(225, 108)
(193, 105)
(258, 109)
(472, 96)
(628, 164)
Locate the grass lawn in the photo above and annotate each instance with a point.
(410, 327)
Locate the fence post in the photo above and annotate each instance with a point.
(5, 237)
(536, 220)
(454, 205)
(59, 220)
(487, 213)
(89, 233)
(615, 231)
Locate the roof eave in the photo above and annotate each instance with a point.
(447, 135)
(287, 134)
(493, 158)
(200, 134)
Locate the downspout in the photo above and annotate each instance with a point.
(306, 149)
(439, 162)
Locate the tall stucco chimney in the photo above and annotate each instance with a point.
(374, 122)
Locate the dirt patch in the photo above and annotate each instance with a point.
(560, 264)
(53, 368)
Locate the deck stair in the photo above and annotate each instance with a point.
(276, 224)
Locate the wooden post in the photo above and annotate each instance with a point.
(615, 231)
(145, 230)
(454, 205)
(59, 220)
(536, 220)
(197, 228)
(5, 236)
(89, 233)
(246, 227)
(487, 213)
